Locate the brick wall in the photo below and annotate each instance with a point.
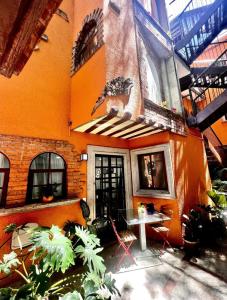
(21, 151)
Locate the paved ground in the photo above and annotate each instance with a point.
(170, 276)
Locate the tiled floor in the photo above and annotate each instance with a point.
(172, 277)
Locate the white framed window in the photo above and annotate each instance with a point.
(152, 172)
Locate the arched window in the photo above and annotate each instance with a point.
(86, 43)
(47, 175)
(4, 178)
(89, 40)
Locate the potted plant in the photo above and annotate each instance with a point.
(48, 192)
(192, 225)
(52, 254)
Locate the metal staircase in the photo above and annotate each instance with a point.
(197, 29)
(210, 103)
(199, 69)
(197, 26)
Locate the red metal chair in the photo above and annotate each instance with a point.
(163, 231)
(125, 240)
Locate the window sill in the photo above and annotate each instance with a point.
(37, 206)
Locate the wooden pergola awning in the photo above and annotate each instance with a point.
(122, 127)
(22, 24)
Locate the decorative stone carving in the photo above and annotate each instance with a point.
(116, 92)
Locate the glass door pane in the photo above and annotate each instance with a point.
(109, 183)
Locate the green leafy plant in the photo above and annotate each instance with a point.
(220, 185)
(218, 199)
(52, 253)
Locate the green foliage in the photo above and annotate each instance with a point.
(53, 252)
(9, 261)
(220, 185)
(6, 293)
(71, 296)
(54, 248)
(10, 228)
(89, 251)
(218, 199)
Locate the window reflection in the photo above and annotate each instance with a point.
(152, 171)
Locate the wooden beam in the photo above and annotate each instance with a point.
(102, 127)
(146, 134)
(119, 124)
(88, 125)
(22, 24)
(112, 114)
(128, 129)
(137, 133)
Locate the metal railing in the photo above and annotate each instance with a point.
(213, 89)
(197, 26)
(214, 50)
(186, 20)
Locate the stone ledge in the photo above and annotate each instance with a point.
(37, 206)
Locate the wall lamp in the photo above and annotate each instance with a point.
(83, 156)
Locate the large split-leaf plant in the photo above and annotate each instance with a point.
(52, 254)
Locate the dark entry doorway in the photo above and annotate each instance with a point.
(109, 186)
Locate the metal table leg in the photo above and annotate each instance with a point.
(143, 240)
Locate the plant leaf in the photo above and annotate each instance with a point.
(54, 249)
(25, 292)
(9, 260)
(6, 293)
(72, 296)
(10, 228)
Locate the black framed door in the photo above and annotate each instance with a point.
(109, 185)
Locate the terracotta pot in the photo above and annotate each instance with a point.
(118, 102)
(47, 199)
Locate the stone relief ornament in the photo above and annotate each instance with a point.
(116, 92)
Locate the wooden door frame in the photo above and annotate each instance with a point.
(92, 151)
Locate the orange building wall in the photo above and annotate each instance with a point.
(220, 128)
(82, 140)
(36, 103)
(191, 176)
(86, 86)
(88, 82)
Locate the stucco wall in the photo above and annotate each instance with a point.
(36, 103)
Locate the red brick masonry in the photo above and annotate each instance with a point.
(21, 151)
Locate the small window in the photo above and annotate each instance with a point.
(47, 173)
(152, 171)
(4, 178)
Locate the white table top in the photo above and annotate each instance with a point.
(132, 217)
